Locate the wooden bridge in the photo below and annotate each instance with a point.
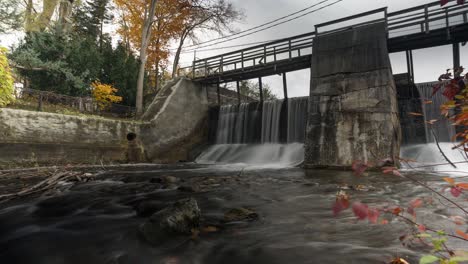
(418, 27)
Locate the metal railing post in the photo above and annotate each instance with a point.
(426, 18)
(242, 60)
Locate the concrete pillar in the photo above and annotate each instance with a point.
(353, 110)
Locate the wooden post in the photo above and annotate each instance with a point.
(260, 87)
(285, 86)
(219, 95)
(465, 17)
(274, 53)
(193, 66)
(290, 51)
(238, 92)
(412, 65)
(39, 104)
(456, 55)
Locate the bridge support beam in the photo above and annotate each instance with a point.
(260, 87)
(456, 55)
(285, 86)
(218, 93)
(238, 93)
(353, 110)
(410, 65)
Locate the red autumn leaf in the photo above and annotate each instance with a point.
(373, 215)
(444, 2)
(416, 203)
(422, 228)
(449, 180)
(360, 210)
(396, 211)
(462, 234)
(463, 186)
(415, 114)
(340, 205)
(359, 167)
(455, 191)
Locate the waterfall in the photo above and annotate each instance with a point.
(237, 123)
(442, 128)
(252, 134)
(271, 121)
(297, 113)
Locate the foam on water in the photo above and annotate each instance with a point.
(254, 155)
(429, 157)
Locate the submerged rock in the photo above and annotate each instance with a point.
(240, 214)
(189, 188)
(165, 180)
(177, 219)
(147, 208)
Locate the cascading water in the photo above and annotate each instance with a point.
(256, 134)
(297, 116)
(271, 116)
(429, 154)
(443, 130)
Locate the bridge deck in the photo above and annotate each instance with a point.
(418, 27)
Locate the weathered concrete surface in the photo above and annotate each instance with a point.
(178, 122)
(30, 138)
(353, 110)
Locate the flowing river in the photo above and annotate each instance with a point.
(96, 222)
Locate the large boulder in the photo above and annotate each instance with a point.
(177, 219)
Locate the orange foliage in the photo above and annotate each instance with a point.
(168, 23)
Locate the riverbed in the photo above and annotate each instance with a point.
(97, 221)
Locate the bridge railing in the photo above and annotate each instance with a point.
(249, 58)
(424, 18)
(419, 19)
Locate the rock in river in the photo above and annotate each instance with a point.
(177, 219)
(240, 214)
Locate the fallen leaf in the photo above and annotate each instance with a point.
(360, 210)
(415, 114)
(341, 203)
(384, 222)
(209, 229)
(422, 228)
(399, 261)
(373, 215)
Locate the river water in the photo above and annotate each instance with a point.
(96, 222)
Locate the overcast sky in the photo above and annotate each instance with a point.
(429, 63)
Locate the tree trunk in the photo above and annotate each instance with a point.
(177, 55)
(145, 37)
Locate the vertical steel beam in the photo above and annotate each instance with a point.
(260, 87)
(218, 92)
(238, 92)
(456, 55)
(410, 65)
(285, 86)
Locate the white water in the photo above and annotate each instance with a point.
(429, 157)
(254, 155)
(271, 121)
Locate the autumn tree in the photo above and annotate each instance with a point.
(140, 13)
(6, 79)
(205, 16)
